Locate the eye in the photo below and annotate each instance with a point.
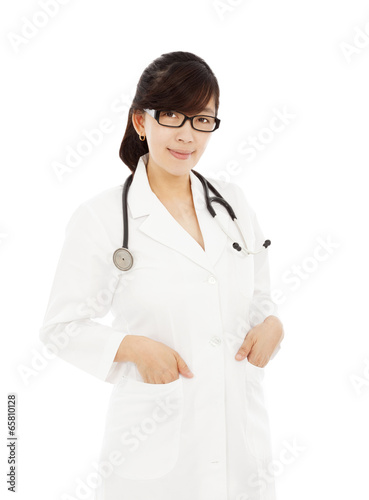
(167, 114)
(203, 119)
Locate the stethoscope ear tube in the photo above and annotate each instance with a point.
(219, 199)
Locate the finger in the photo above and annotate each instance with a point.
(244, 349)
(182, 367)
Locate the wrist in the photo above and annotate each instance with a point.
(126, 348)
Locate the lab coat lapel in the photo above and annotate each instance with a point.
(161, 226)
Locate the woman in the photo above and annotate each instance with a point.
(186, 417)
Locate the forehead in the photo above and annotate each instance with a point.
(209, 109)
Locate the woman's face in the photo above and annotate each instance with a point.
(161, 140)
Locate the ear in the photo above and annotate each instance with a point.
(138, 121)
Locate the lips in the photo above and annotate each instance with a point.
(181, 151)
(180, 154)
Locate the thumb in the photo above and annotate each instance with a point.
(182, 367)
(245, 348)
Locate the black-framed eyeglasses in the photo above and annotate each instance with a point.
(168, 118)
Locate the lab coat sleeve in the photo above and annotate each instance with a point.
(262, 304)
(83, 288)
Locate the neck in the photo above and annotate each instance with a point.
(168, 186)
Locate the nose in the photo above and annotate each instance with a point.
(185, 133)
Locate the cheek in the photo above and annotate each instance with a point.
(205, 140)
(158, 138)
(200, 141)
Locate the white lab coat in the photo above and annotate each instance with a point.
(200, 438)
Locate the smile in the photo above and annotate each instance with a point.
(180, 155)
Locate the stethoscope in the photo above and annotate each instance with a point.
(123, 258)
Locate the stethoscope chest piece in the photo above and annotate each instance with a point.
(123, 259)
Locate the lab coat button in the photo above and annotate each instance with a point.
(215, 340)
(212, 280)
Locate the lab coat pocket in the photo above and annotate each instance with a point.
(143, 427)
(254, 374)
(256, 414)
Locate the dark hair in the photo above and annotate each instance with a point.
(180, 81)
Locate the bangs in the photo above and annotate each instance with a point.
(185, 89)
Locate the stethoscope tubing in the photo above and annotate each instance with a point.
(123, 258)
(219, 199)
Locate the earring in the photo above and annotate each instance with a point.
(142, 137)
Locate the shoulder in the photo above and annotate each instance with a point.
(107, 200)
(102, 209)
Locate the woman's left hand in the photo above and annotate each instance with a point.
(261, 341)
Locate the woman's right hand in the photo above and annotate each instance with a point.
(156, 362)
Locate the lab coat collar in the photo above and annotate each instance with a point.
(163, 227)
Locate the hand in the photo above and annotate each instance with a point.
(261, 341)
(156, 362)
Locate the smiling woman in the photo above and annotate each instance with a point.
(186, 419)
(172, 117)
(177, 81)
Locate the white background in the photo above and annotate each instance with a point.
(307, 184)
